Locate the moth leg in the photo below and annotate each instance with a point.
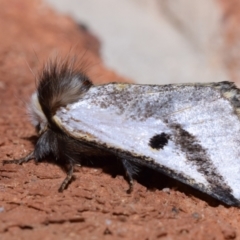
(68, 178)
(130, 170)
(25, 159)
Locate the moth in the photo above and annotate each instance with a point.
(190, 132)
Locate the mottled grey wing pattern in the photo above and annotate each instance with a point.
(189, 131)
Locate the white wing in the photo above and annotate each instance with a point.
(191, 132)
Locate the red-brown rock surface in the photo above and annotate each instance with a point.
(95, 205)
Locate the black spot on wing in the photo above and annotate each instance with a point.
(198, 156)
(159, 141)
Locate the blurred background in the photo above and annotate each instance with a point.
(159, 41)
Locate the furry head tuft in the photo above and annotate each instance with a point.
(59, 85)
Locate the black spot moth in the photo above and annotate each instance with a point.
(190, 132)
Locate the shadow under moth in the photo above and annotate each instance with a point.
(190, 132)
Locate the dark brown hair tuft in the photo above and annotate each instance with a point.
(59, 85)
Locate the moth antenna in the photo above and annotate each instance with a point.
(84, 62)
(91, 66)
(30, 68)
(25, 103)
(19, 99)
(71, 64)
(35, 53)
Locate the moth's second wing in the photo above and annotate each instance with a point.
(191, 132)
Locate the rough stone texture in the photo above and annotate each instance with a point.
(95, 205)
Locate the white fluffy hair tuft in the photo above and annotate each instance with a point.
(37, 116)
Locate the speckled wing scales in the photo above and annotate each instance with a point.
(191, 131)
